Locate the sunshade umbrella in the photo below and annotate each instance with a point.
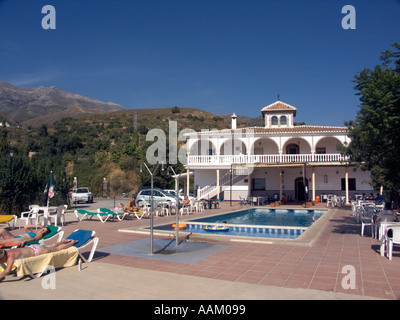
(48, 194)
(49, 191)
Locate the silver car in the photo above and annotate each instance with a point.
(82, 195)
(144, 196)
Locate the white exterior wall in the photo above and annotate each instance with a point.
(317, 146)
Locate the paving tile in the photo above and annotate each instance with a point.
(316, 266)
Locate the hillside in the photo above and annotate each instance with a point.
(45, 105)
(146, 119)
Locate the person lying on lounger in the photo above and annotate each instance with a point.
(7, 238)
(9, 256)
(131, 206)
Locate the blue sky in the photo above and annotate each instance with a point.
(221, 56)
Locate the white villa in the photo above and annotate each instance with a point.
(277, 160)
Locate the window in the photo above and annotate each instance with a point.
(320, 150)
(292, 149)
(283, 120)
(274, 120)
(352, 184)
(258, 184)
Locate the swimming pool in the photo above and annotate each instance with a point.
(268, 223)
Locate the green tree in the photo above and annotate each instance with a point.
(375, 133)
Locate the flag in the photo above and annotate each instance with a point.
(49, 191)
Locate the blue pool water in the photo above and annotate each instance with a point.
(269, 223)
(268, 217)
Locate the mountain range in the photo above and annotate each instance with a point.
(47, 104)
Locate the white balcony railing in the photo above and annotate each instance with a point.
(225, 160)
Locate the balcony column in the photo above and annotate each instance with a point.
(249, 184)
(280, 184)
(313, 183)
(346, 179)
(187, 182)
(218, 184)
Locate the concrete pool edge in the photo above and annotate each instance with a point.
(306, 238)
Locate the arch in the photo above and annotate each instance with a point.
(203, 147)
(304, 146)
(232, 146)
(268, 146)
(329, 144)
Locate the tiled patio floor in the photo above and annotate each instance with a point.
(316, 266)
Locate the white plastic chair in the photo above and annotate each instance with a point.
(162, 209)
(198, 206)
(58, 215)
(243, 201)
(185, 208)
(367, 220)
(392, 239)
(384, 217)
(32, 214)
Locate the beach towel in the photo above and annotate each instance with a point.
(60, 259)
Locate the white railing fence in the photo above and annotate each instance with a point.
(265, 158)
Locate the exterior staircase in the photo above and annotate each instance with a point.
(211, 190)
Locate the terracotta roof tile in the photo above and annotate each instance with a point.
(278, 106)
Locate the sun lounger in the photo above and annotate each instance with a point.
(89, 215)
(119, 216)
(85, 238)
(139, 214)
(35, 266)
(54, 232)
(8, 218)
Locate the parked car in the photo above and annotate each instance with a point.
(181, 194)
(82, 195)
(158, 196)
(172, 192)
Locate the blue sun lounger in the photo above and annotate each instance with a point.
(85, 238)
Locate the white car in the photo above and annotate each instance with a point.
(181, 195)
(82, 195)
(172, 192)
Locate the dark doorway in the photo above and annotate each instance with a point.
(300, 191)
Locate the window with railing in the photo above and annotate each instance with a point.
(292, 149)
